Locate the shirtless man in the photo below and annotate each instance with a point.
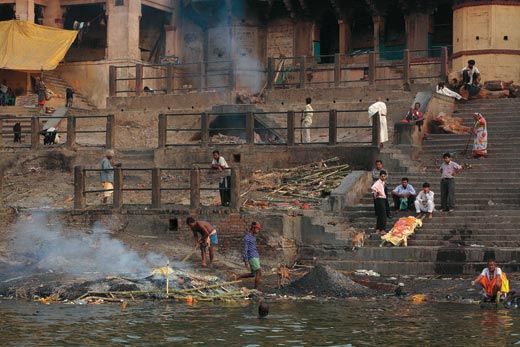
(205, 237)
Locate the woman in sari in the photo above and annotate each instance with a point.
(481, 135)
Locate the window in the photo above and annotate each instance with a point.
(119, 3)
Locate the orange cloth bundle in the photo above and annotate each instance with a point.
(402, 229)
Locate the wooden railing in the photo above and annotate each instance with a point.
(268, 128)
(32, 128)
(85, 185)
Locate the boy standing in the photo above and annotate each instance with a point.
(251, 256)
(378, 191)
(448, 171)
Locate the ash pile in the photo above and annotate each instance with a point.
(323, 281)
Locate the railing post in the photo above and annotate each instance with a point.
(112, 80)
(375, 130)
(35, 132)
(156, 188)
(232, 76)
(290, 128)
(71, 131)
(204, 128)
(110, 132)
(138, 79)
(250, 128)
(302, 72)
(169, 79)
(1, 132)
(195, 188)
(444, 63)
(270, 73)
(235, 188)
(79, 188)
(162, 135)
(202, 76)
(372, 68)
(333, 127)
(337, 69)
(118, 189)
(406, 67)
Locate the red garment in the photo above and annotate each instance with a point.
(490, 286)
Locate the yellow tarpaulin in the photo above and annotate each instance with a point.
(30, 47)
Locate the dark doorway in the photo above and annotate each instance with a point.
(38, 14)
(394, 41)
(442, 26)
(329, 37)
(151, 33)
(7, 12)
(362, 31)
(91, 41)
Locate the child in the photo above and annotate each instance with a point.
(70, 97)
(448, 170)
(251, 256)
(491, 280)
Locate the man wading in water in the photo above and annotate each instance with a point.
(205, 237)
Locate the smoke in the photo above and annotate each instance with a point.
(48, 247)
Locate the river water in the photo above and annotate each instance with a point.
(290, 323)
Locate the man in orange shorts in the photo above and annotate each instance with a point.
(490, 279)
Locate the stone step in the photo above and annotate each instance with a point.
(479, 243)
(496, 232)
(434, 226)
(466, 237)
(417, 268)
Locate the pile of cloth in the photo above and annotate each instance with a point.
(402, 230)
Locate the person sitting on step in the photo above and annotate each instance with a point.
(424, 201)
(403, 195)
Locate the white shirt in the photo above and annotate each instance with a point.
(377, 107)
(423, 198)
(448, 92)
(308, 114)
(379, 187)
(402, 190)
(485, 272)
(471, 72)
(3, 88)
(221, 161)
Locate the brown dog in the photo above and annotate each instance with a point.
(358, 240)
(284, 276)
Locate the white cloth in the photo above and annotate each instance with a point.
(448, 92)
(3, 88)
(485, 272)
(379, 108)
(424, 202)
(308, 114)
(400, 190)
(221, 161)
(471, 72)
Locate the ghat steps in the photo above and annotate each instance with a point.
(486, 219)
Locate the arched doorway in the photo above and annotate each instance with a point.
(442, 26)
(362, 29)
(393, 42)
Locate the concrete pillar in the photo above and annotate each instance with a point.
(35, 132)
(156, 188)
(25, 10)
(345, 36)
(79, 188)
(372, 67)
(376, 125)
(379, 27)
(118, 188)
(235, 188)
(270, 73)
(110, 136)
(195, 188)
(123, 30)
(417, 26)
(250, 128)
(204, 129)
(291, 117)
(53, 15)
(406, 67)
(112, 80)
(173, 39)
(302, 72)
(71, 131)
(162, 135)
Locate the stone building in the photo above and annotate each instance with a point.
(245, 33)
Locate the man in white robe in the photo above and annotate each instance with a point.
(379, 108)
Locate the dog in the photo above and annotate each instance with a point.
(284, 276)
(358, 240)
(17, 132)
